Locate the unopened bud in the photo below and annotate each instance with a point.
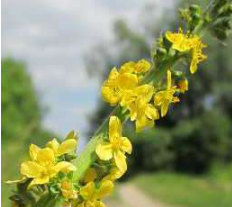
(178, 74)
(69, 157)
(183, 85)
(196, 16)
(195, 8)
(161, 51)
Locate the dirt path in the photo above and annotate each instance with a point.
(132, 196)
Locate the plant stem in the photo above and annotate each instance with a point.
(88, 156)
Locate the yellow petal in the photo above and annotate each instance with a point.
(64, 167)
(127, 81)
(142, 66)
(31, 169)
(88, 191)
(104, 151)
(34, 149)
(169, 79)
(193, 66)
(113, 74)
(110, 96)
(145, 91)
(151, 112)
(126, 145)
(114, 174)
(110, 91)
(54, 145)
(69, 194)
(72, 135)
(127, 98)
(115, 127)
(90, 175)
(105, 189)
(183, 85)
(67, 146)
(46, 157)
(67, 190)
(172, 37)
(159, 97)
(127, 67)
(39, 181)
(143, 123)
(181, 42)
(120, 160)
(164, 108)
(133, 111)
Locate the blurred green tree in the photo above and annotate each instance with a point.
(21, 120)
(20, 109)
(197, 132)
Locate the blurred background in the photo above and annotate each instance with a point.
(55, 55)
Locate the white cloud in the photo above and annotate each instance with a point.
(52, 36)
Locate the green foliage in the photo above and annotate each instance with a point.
(20, 109)
(183, 190)
(151, 151)
(221, 176)
(21, 121)
(202, 140)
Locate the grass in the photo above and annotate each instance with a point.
(185, 191)
(12, 156)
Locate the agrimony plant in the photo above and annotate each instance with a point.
(141, 92)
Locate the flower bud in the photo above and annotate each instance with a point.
(178, 74)
(161, 51)
(69, 157)
(196, 17)
(196, 9)
(183, 85)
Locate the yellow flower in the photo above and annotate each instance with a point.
(128, 67)
(65, 147)
(68, 190)
(141, 110)
(114, 174)
(92, 196)
(197, 55)
(180, 41)
(183, 85)
(43, 166)
(117, 145)
(183, 43)
(116, 85)
(164, 98)
(142, 66)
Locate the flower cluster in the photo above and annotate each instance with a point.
(48, 168)
(148, 102)
(188, 43)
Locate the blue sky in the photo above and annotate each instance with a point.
(52, 36)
